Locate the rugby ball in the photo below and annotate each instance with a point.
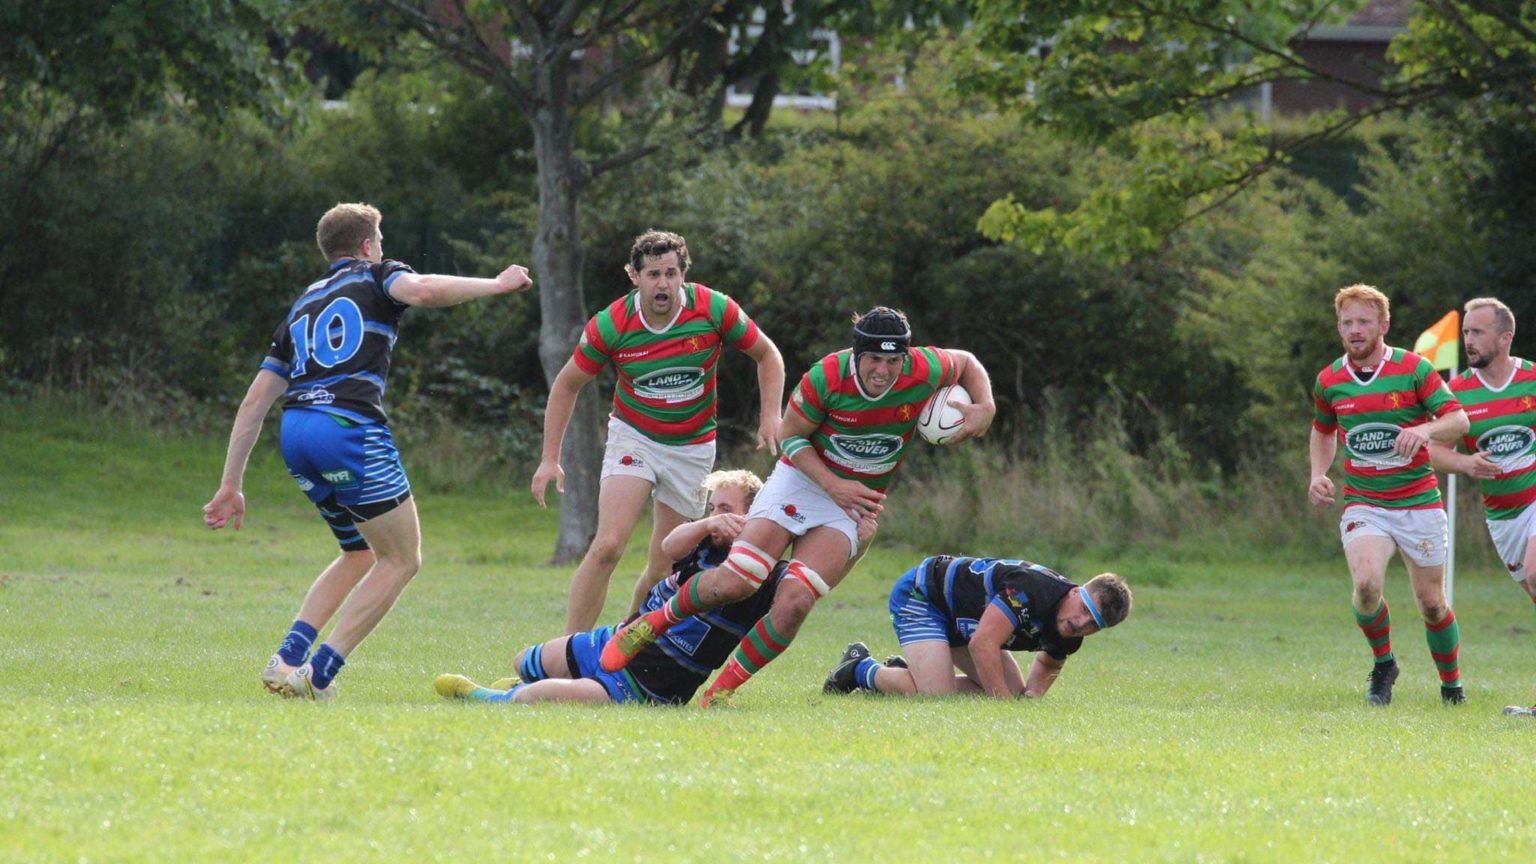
(940, 420)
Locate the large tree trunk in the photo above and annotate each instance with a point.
(557, 267)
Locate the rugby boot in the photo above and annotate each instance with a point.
(505, 683)
(1379, 683)
(1519, 711)
(1452, 696)
(842, 679)
(632, 638)
(275, 673)
(720, 698)
(298, 685)
(450, 686)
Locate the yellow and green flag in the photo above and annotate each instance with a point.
(1441, 343)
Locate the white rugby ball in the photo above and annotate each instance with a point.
(940, 420)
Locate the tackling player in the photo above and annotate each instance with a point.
(843, 437)
(566, 669)
(329, 360)
(664, 340)
(1499, 394)
(971, 613)
(1386, 404)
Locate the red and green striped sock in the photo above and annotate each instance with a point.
(684, 605)
(1377, 627)
(757, 649)
(1445, 646)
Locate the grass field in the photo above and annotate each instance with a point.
(1223, 721)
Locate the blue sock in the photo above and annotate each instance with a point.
(506, 696)
(295, 647)
(326, 663)
(864, 673)
(532, 667)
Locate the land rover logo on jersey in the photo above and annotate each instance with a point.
(1509, 447)
(1371, 444)
(863, 452)
(671, 385)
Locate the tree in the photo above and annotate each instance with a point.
(1144, 77)
(529, 52)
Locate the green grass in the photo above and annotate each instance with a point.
(1222, 722)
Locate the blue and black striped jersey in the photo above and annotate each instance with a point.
(334, 345)
(1029, 594)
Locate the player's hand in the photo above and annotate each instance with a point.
(978, 419)
(1410, 441)
(1320, 492)
(547, 471)
(514, 278)
(726, 527)
(768, 433)
(1478, 465)
(228, 503)
(868, 525)
(855, 497)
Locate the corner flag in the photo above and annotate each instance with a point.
(1441, 342)
(1440, 345)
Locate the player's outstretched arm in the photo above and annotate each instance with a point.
(557, 416)
(687, 536)
(770, 391)
(986, 648)
(1042, 674)
(229, 502)
(974, 378)
(431, 289)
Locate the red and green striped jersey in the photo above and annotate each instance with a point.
(1368, 415)
(865, 439)
(1504, 426)
(667, 376)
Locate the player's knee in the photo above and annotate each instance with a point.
(748, 563)
(801, 588)
(606, 550)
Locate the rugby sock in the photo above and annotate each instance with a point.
(1445, 646)
(532, 667)
(1377, 627)
(295, 647)
(326, 663)
(864, 673)
(684, 605)
(496, 695)
(757, 649)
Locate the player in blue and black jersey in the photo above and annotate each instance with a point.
(566, 669)
(329, 361)
(971, 613)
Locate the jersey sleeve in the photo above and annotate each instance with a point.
(385, 274)
(592, 352)
(1432, 391)
(1323, 418)
(944, 369)
(280, 356)
(736, 328)
(810, 397)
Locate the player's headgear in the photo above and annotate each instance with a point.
(881, 330)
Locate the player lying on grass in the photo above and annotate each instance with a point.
(970, 613)
(565, 669)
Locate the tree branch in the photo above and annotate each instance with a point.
(584, 95)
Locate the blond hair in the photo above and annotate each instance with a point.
(750, 484)
(344, 227)
(1501, 313)
(1363, 294)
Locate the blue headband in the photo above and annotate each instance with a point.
(1092, 609)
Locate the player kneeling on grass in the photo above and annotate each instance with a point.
(566, 669)
(970, 613)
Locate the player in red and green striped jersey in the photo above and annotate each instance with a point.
(1499, 394)
(663, 340)
(1386, 404)
(844, 435)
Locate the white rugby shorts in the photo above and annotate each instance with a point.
(794, 501)
(676, 471)
(1510, 537)
(1419, 534)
